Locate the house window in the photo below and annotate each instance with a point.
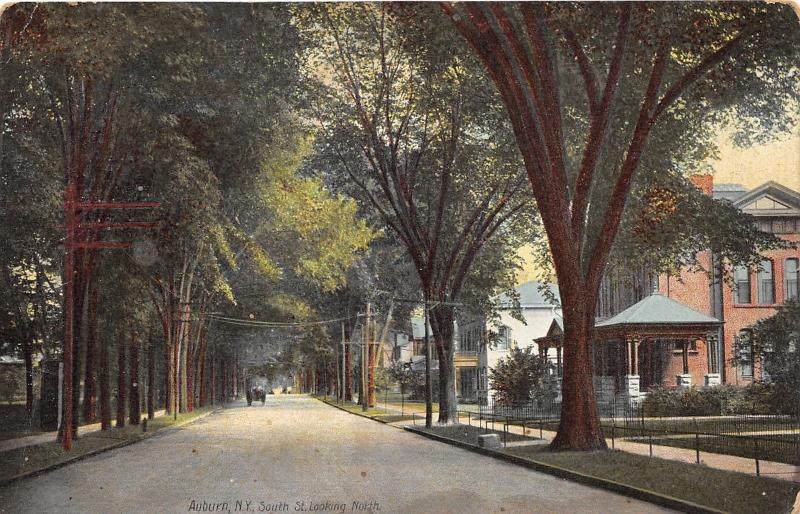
(503, 337)
(744, 346)
(741, 279)
(766, 283)
(791, 270)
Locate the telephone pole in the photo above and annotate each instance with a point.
(365, 351)
(428, 388)
(73, 226)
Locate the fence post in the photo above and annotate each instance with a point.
(758, 465)
(541, 433)
(697, 445)
(505, 433)
(469, 418)
(613, 430)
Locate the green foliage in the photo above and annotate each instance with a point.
(519, 378)
(757, 398)
(776, 344)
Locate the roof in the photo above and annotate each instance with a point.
(531, 296)
(657, 309)
(728, 191)
(781, 200)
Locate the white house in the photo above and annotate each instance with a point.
(492, 341)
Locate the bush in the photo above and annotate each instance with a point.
(758, 398)
(520, 377)
(662, 402)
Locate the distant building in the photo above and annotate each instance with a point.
(490, 341)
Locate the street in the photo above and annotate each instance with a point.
(296, 454)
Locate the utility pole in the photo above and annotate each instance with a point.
(344, 372)
(73, 209)
(365, 343)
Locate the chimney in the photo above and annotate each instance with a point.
(704, 183)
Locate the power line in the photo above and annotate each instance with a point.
(277, 324)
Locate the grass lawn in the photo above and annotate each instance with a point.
(14, 422)
(723, 490)
(42, 456)
(469, 434)
(720, 425)
(777, 448)
(373, 412)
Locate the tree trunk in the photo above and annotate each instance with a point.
(168, 375)
(579, 428)
(201, 362)
(224, 379)
(135, 406)
(442, 318)
(151, 378)
(27, 355)
(213, 380)
(105, 392)
(90, 375)
(184, 371)
(121, 382)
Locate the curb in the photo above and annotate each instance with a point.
(57, 465)
(573, 476)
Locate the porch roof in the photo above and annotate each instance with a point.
(654, 316)
(657, 309)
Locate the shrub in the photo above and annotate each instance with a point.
(520, 377)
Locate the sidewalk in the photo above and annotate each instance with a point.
(777, 470)
(46, 437)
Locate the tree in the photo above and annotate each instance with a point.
(597, 92)
(519, 377)
(406, 119)
(775, 343)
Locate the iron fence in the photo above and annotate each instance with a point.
(757, 437)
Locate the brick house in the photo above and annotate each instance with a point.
(756, 292)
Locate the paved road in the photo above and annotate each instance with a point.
(296, 453)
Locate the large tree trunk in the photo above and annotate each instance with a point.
(579, 428)
(442, 318)
(121, 382)
(90, 375)
(135, 406)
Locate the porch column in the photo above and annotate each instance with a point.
(631, 391)
(713, 377)
(558, 360)
(685, 379)
(633, 355)
(685, 355)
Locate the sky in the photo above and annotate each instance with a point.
(751, 167)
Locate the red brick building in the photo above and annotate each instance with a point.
(755, 293)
